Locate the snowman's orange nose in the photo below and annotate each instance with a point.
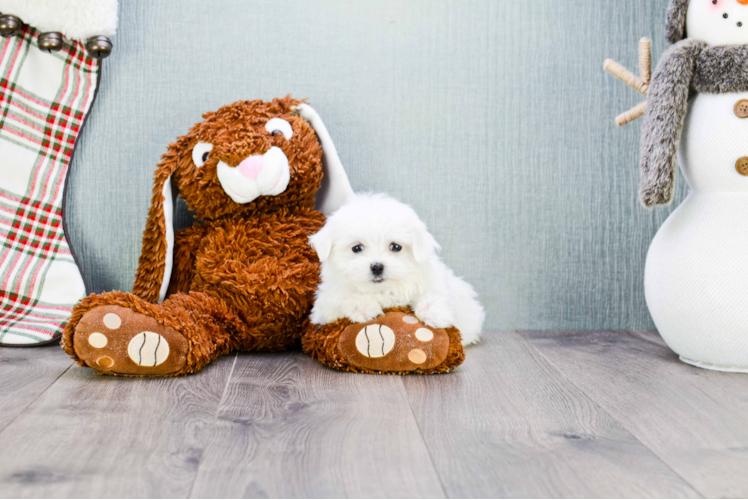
(743, 2)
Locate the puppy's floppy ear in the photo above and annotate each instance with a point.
(156, 257)
(424, 245)
(322, 242)
(335, 189)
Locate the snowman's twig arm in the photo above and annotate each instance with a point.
(667, 105)
(638, 83)
(632, 114)
(645, 60)
(625, 76)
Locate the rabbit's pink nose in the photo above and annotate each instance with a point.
(251, 167)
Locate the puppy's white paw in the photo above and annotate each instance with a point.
(321, 315)
(363, 311)
(359, 316)
(434, 313)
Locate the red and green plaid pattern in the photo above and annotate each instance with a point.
(44, 99)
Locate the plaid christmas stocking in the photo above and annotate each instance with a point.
(44, 100)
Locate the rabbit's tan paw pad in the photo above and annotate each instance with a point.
(395, 342)
(118, 341)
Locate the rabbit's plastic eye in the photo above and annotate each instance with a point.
(279, 125)
(200, 153)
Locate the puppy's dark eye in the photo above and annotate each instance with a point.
(205, 156)
(358, 249)
(395, 247)
(276, 132)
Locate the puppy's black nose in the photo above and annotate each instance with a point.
(377, 269)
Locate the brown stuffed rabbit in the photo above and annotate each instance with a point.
(243, 278)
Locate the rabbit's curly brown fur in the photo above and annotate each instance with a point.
(244, 276)
(236, 131)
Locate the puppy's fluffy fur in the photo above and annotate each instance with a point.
(376, 254)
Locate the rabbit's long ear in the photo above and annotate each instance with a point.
(335, 189)
(156, 257)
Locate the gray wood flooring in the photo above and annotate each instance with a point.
(529, 414)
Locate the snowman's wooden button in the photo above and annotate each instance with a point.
(742, 166)
(741, 108)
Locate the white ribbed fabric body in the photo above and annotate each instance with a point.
(696, 277)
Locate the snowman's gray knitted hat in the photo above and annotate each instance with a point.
(675, 29)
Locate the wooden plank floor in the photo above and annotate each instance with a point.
(529, 414)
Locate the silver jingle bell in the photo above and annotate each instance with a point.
(50, 41)
(10, 25)
(99, 46)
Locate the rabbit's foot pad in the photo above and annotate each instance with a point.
(395, 342)
(115, 340)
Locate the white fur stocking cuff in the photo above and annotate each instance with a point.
(75, 19)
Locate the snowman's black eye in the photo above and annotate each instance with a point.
(725, 15)
(714, 2)
(740, 24)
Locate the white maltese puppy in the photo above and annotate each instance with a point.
(376, 254)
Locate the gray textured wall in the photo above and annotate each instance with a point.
(493, 118)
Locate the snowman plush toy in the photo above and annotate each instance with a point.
(696, 116)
